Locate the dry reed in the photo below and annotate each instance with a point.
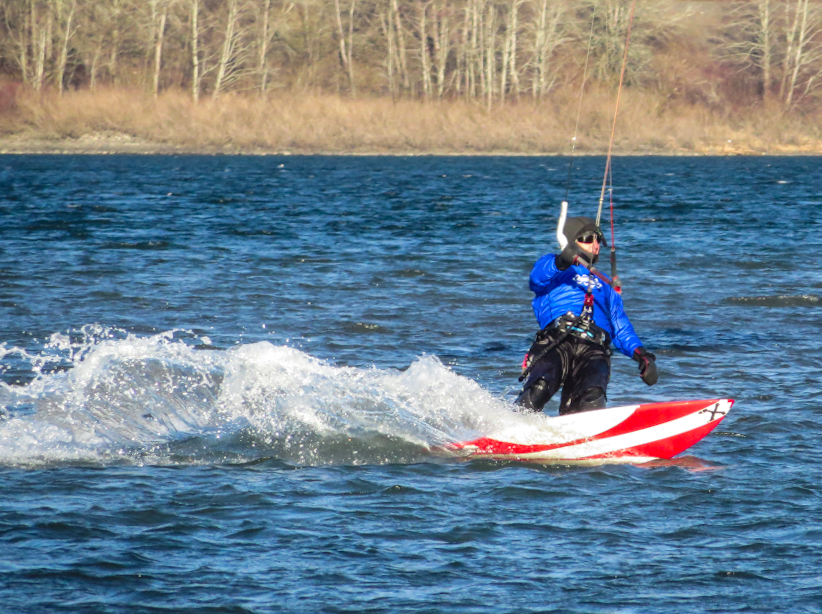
(320, 123)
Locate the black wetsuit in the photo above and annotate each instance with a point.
(581, 367)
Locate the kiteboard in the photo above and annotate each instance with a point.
(630, 434)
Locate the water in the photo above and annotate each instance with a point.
(225, 381)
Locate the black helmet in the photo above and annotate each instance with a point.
(577, 228)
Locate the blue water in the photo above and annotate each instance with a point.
(226, 379)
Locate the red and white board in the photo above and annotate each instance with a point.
(631, 434)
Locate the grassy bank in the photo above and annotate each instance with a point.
(131, 121)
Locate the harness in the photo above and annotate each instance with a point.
(581, 326)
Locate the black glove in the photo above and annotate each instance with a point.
(647, 365)
(573, 254)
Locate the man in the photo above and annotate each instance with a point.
(579, 315)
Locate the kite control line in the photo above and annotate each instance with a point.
(608, 177)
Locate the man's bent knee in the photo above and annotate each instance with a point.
(535, 396)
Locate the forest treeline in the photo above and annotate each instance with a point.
(720, 54)
(410, 76)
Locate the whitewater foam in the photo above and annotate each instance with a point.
(123, 398)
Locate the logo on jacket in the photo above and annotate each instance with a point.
(584, 280)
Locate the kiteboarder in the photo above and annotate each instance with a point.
(580, 315)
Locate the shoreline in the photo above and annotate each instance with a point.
(123, 144)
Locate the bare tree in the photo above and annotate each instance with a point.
(117, 11)
(158, 17)
(749, 41)
(265, 40)
(401, 48)
(233, 49)
(765, 44)
(94, 39)
(347, 57)
(65, 10)
(509, 56)
(18, 40)
(424, 52)
(441, 34)
(385, 14)
(547, 36)
(776, 42)
(268, 21)
(196, 75)
(39, 23)
(801, 54)
(474, 74)
(311, 32)
(490, 52)
(229, 41)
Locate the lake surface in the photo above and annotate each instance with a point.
(225, 380)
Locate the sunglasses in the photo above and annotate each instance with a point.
(588, 239)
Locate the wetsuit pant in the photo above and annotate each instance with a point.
(581, 368)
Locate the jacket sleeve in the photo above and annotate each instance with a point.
(544, 275)
(625, 339)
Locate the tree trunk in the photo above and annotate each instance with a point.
(38, 47)
(113, 59)
(195, 50)
(474, 59)
(790, 38)
(442, 45)
(351, 47)
(765, 26)
(406, 81)
(506, 47)
(49, 51)
(23, 46)
(802, 14)
(509, 62)
(539, 46)
(426, 67)
(387, 24)
(490, 51)
(263, 62)
(40, 55)
(515, 4)
(462, 53)
(346, 56)
(546, 40)
(95, 62)
(158, 49)
(228, 47)
(63, 58)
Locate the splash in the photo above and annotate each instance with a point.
(105, 396)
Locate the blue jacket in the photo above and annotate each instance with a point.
(558, 292)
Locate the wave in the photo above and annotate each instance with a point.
(783, 300)
(105, 396)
